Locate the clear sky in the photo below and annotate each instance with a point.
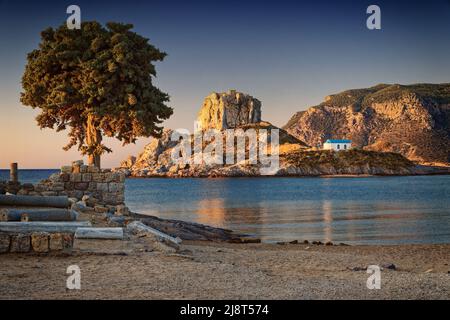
(288, 54)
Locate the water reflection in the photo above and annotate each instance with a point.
(363, 210)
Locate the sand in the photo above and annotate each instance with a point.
(207, 270)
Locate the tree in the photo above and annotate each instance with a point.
(97, 81)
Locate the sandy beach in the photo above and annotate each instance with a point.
(208, 270)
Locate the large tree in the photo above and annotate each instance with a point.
(96, 81)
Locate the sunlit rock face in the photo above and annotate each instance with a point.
(228, 110)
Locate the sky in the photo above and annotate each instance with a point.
(288, 54)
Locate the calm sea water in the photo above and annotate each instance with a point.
(373, 210)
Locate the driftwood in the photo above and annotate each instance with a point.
(34, 201)
(191, 230)
(51, 214)
(139, 227)
(99, 233)
(51, 227)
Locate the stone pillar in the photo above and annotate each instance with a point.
(14, 173)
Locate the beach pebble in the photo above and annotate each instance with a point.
(358, 269)
(328, 243)
(389, 266)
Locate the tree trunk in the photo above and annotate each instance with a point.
(93, 140)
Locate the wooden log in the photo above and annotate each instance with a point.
(99, 233)
(50, 227)
(14, 172)
(51, 214)
(34, 201)
(137, 227)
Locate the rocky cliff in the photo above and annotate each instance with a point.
(240, 111)
(412, 120)
(228, 110)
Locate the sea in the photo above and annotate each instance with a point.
(362, 210)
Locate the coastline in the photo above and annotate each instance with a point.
(295, 176)
(211, 270)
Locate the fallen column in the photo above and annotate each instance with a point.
(138, 227)
(50, 227)
(99, 233)
(51, 214)
(35, 201)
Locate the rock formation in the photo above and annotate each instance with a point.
(228, 110)
(241, 111)
(412, 120)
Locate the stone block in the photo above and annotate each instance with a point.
(76, 194)
(69, 186)
(102, 187)
(28, 186)
(56, 242)
(93, 169)
(40, 242)
(98, 177)
(116, 187)
(109, 177)
(66, 169)
(92, 186)
(83, 169)
(81, 186)
(121, 177)
(20, 243)
(5, 241)
(87, 177)
(57, 186)
(67, 241)
(76, 169)
(75, 177)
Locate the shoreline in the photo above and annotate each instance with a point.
(295, 176)
(212, 270)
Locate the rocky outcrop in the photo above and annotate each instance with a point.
(296, 157)
(228, 110)
(411, 120)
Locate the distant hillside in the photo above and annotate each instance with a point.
(413, 120)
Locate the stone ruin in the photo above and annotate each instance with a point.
(78, 181)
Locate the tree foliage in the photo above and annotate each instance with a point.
(96, 81)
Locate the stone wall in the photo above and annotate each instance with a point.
(37, 242)
(78, 181)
